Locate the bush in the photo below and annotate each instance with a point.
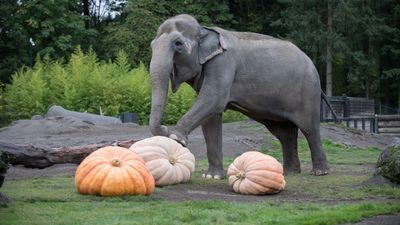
(86, 85)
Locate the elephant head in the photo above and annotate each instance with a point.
(179, 51)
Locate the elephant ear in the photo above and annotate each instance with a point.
(211, 44)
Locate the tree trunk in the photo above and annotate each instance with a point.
(41, 157)
(86, 12)
(329, 50)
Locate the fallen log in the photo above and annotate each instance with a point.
(41, 157)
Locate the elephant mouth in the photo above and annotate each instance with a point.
(174, 81)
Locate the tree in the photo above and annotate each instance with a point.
(305, 24)
(389, 88)
(328, 49)
(132, 31)
(13, 41)
(135, 28)
(56, 26)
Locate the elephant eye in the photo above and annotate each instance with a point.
(178, 43)
(179, 46)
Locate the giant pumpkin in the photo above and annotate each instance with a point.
(168, 161)
(113, 171)
(256, 173)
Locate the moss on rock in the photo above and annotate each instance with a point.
(388, 164)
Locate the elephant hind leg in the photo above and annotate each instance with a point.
(286, 132)
(318, 157)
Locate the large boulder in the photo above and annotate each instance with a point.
(388, 164)
(58, 111)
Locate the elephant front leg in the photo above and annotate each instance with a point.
(212, 130)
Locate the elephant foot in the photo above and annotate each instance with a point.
(217, 174)
(320, 171)
(179, 138)
(291, 170)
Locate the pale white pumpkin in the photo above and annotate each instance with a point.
(256, 173)
(168, 161)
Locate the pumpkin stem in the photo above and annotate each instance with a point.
(116, 162)
(172, 160)
(241, 174)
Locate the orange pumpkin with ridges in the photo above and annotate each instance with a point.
(255, 173)
(113, 171)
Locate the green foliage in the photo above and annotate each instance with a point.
(137, 26)
(232, 116)
(13, 41)
(364, 39)
(84, 84)
(133, 31)
(55, 26)
(364, 36)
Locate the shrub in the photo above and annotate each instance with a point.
(86, 85)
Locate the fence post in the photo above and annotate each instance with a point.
(372, 125)
(346, 106)
(321, 111)
(363, 123)
(376, 128)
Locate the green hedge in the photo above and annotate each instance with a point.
(84, 84)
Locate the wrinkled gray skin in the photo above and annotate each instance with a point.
(269, 80)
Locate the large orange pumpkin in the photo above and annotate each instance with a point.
(256, 173)
(167, 160)
(113, 171)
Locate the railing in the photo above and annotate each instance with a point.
(363, 123)
(388, 124)
(348, 107)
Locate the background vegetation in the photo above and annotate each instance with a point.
(354, 44)
(87, 85)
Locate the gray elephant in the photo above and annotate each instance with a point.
(267, 79)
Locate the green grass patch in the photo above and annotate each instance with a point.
(336, 153)
(333, 199)
(134, 210)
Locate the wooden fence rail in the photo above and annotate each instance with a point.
(388, 124)
(382, 124)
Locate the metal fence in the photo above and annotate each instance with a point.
(352, 112)
(360, 113)
(348, 107)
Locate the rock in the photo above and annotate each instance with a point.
(4, 200)
(37, 117)
(388, 164)
(58, 111)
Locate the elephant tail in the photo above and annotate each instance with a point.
(329, 106)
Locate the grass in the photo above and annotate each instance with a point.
(333, 199)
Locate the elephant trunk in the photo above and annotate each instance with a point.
(161, 67)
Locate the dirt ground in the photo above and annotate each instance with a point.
(238, 137)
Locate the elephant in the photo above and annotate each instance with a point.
(267, 79)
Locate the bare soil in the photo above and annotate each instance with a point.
(238, 137)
